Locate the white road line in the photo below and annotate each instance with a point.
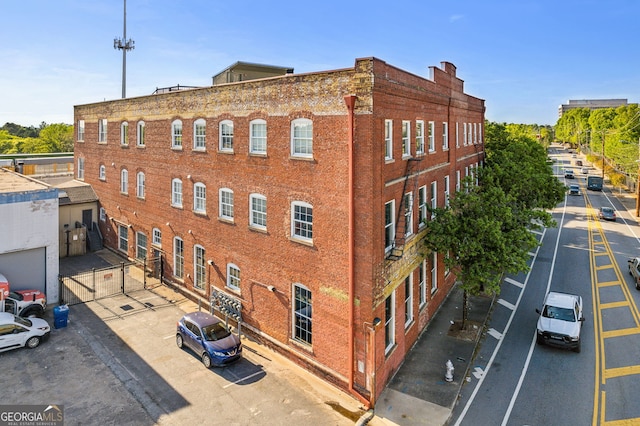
(507, 304)
(478, 373)
(243, 379)
(514, 282)
(494, 333)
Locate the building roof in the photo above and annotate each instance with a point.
(75, 192)
(11, 181)
(243, 71)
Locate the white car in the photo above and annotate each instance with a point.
(560, 321)
(17, 332)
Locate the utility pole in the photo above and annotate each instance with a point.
(124, 45)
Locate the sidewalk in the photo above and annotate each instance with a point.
(419, 394)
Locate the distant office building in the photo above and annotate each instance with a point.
(590, 104)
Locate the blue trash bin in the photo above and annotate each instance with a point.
(60, 316)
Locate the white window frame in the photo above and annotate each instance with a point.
(390, 322)
(408, 214)
(475, 133)
(156, 237)
(200, 135)
(141, 245)
(422, 206)
(225, 143)
(102, 172)
(140, 133)
(226, 203)
(302, 138)
(464, 134)
(406, 138)
(422, 284)
(124, 133)
(80, 130)
(124, 181)
(199, 198)
(390, 225)
(257, 142)
(199, 267)
(176, 134)
(102, 130)
(434, 197)
(419, 137)
(233, 277)
(178, 258)
(302, 314)
(457, 135)
(81, 168)
(123, 238)
(176, 192)
(447, 190)
(301, 228)
(458, 181)
(408, 300)
(388, 140)
(258, 211)
(103, 214)
(140, 184)
(432, 136)
(445, 136)
(434, 272)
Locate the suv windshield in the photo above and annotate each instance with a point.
(215, 331)
(564, 314)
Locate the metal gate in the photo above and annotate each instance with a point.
(104, 282)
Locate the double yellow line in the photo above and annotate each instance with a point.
(601, 258)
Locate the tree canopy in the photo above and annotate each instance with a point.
(16, 139)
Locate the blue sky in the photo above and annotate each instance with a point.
(523, 57)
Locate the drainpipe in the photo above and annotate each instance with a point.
(350, 101)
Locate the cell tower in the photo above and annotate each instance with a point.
(124, 45)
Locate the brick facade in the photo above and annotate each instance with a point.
(346, 181)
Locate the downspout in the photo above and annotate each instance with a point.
(350, 101)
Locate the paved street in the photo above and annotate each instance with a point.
(117, 363)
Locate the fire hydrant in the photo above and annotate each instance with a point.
(448, 376)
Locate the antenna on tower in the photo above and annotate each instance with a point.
(124, 45)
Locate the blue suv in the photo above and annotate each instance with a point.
(209, 338)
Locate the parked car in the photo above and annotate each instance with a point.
(18, 332)
(568, 174)
(585, 170)
(209, 338)
(560, 321)
(574, 190)
(607, 213)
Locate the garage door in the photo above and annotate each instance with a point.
(25, 269)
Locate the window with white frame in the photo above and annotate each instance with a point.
(389, 225)
(233, 277)
(103, 214)
(480, 132)
(123, 238)
(80, 130)
(434, 196)
(226, 204)
(432, 136)
(178, 257)
(457, 135)
(302, 220)
(408, 300)
(124, 133)
(199, 197)
(475, 133)
(140, 184)
(302, 314)
(140, 133)
(176, 134)
(464, 134)
(406, 138)
(445, 135)
(389, 322)
(200, 135)
(457, 180)
(102, 130)
(470, 133)
(258, 211)
(422, 205)
(446, 191)
(141, 246)
(258, 137)
(408, 213)
(226, 136)
(80, 168)
(156, 237)
(434, 272)
(124, 181)
(420, 137)
(302, 138)
(422, 283)
(199, 268)
(388, 139)
(176, 193)
(102, 174)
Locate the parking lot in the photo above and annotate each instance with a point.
(116, 362)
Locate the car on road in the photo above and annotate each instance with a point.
(560, 321)
(585, 170)
(568, 174)
(574, 189)
(607, 213)
(209, 338)
(17, 332)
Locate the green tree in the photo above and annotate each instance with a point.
(57, 137)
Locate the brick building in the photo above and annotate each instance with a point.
(301, 196)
